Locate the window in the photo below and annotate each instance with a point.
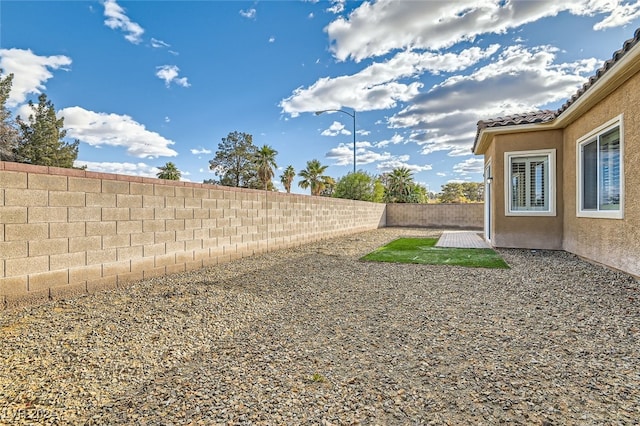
(600, 174)
(530, 183)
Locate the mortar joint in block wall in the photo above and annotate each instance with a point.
(101, 255)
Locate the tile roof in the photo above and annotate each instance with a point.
(516, 119)
(549, 115)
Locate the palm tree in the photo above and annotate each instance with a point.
(169, 171)
(399, 185)
(313, 177)
(265, 161)
(287, 178)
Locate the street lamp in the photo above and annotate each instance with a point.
(354, 128)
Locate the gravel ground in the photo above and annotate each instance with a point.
(311, 335)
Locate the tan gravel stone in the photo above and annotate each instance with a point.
(312, 335)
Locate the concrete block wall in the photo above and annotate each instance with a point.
(65, 232)
(464, 216)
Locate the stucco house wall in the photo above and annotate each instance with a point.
(541, 232)
(609, 98)
(614, 242)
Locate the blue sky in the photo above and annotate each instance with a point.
(140, 83)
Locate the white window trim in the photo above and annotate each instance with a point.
(604, 214)
(551, 153)
(488, 191)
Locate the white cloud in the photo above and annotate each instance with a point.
(97, 129)
(272, 39)
(621, 15)
(377, 28)
(343, 154)
(363, 132)
(117, 20)
(443, 117)
(441, 174)
(337, 6)
(23, 111)
(519, 80)
(196, 151)
(131, 169)
(169, 73)
(469, 166)
(401, 161)
(158, 44)
(311, 15)
(167, 120)
(395, 139)
(335, 129)
(456, 144)
(375, 87)
(249, 13)
(30, 72)
(347, 90)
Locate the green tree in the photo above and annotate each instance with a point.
(457, 192)
(169, 171)
(359, 186)
(234, 161)
(418, 194)
(451, 193)
(8, 131)
(41, 138)
(399, 186)
(378, 191)
(328, 186)
(473, 191)
(313, 177)
(287, 178)
(265, 162)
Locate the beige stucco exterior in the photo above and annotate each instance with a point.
(612, 242)
(543, 232)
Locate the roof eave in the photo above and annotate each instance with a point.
(488, 133)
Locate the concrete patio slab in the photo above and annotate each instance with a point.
(461, 239)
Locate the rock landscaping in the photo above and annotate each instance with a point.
(312, 335)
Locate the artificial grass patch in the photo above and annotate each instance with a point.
(423, 251)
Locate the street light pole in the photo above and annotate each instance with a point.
(354, 128)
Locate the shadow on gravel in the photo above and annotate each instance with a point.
(312, 335)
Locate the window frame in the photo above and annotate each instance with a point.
(587, 139)
(551, 158)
